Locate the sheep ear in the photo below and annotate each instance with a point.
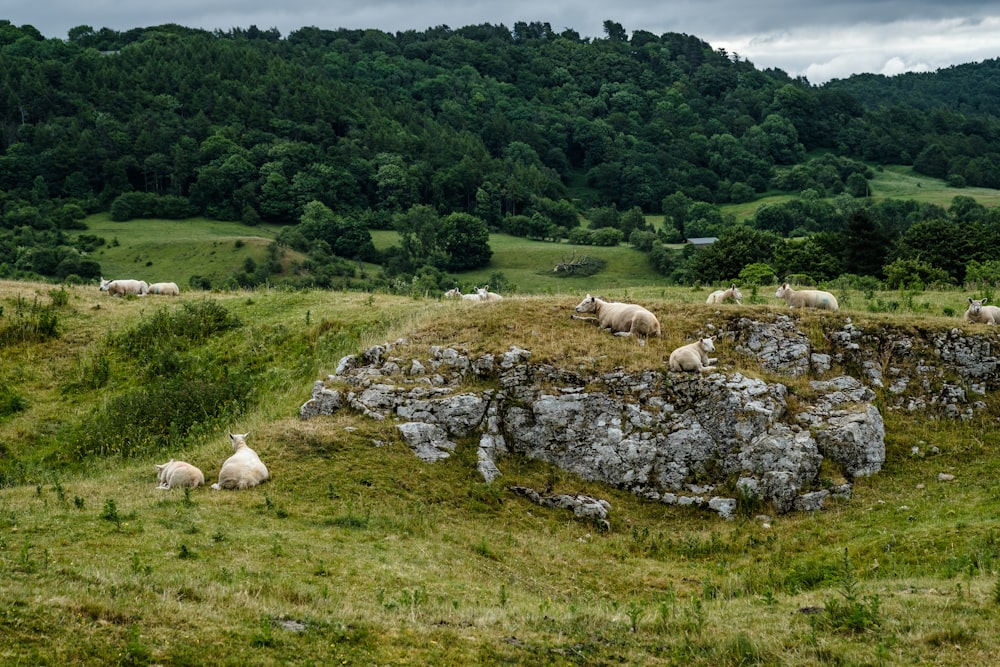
(970, 299)
(985, 299)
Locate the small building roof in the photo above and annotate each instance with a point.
(703, 240)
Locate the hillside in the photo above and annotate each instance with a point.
(356, 552)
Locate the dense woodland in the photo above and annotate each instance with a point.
(449, 134)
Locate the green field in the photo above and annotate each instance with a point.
(355, 554)
(175, 250)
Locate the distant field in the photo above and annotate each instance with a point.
(894, 182)
(174, 250)
(170, 250)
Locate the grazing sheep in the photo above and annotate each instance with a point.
(623, 319)
(166, 289)
(722, 296)
(980, 313)
(486, 295)
(243, 469)
(694, 356)
(807, 298)
(123, 287)
(178, 473)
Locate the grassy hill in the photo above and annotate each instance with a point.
(359, 554)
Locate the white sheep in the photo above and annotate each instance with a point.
(178, 474)
(243, 469)
(807, 298)
(623, 319)
(722, 296)
(486, 295)
(694, 356)
(980, 313)
(166, 289)
(455, 293)
(123, 287)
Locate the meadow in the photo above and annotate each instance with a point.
(357, 553)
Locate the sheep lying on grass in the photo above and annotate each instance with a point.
(486, 295)
(623, 319)
(807, 298)
(694, 357)
(123, 287)
(980, 313)
(166, 289)
(178, 474)
(722, 296)
(243, 469)
(453, 293)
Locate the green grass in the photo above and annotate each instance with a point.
(359, 554)
(174, 250)
(892, 182)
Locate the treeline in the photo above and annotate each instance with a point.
(523, 130)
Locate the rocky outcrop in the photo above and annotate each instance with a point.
(672, 437)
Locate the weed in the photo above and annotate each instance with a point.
(264, 636)
(634, 611)
(184, 553)
(78, 502)
(851, 613)
(110, 512)
(483, 549)
(135, 652)
(138, 567)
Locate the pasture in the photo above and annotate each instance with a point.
(357, 554)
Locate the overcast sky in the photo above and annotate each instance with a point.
(811, 38)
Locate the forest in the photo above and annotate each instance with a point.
(447, 135)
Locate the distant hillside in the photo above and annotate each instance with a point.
(971, 89)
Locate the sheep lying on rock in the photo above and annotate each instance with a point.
(243, 469)
(722, 296)
(694, 356)
(807, 298)
(979, 312)
(623, 319)
(178, 474)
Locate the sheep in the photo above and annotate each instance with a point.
(243, 469)
(694, 356)
(722, 296)
(455, 293)
(486, 295)
(807, 298)
(166, 289)
(979, 312)
(178, 474)
(123, 287)
(622, 319)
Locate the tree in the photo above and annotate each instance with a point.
(735, 248)
(865, 246)
(465, 240)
